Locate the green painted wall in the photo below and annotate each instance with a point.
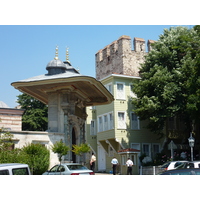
(125, 136)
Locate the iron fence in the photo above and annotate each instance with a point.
(150, 170)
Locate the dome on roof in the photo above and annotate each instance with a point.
(56, 66)
(3, 105)
(55, 63)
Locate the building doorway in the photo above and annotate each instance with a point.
(101, 159)
(73, 143)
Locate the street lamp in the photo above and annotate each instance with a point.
(191, 141)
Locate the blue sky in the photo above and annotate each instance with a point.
(26, 49)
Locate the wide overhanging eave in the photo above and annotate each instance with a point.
(35, 89)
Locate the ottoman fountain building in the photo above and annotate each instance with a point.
(67, 94)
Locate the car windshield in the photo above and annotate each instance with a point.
(180, 165)
(76, 167)
(165, 165)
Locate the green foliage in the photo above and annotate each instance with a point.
(37, 157)
(60, 148)
(160, 159)
(170, 79)
(11, 156)
(5, 140)
(35, 115)
(80, 149)
(197, 29)
(7, 155)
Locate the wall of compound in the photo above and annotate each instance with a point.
(11, 119)
(23, 138)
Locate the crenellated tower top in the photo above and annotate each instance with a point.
(118, 57)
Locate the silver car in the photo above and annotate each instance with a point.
(14, 169)
(192, 164)
(69, 169)
(173, 165)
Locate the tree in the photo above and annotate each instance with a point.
(35, 115)
(80, 149)
(61, 149)
(170, 83)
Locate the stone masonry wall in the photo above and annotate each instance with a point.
(119, 58)
(11, 122)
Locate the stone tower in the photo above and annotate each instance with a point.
(119, 58)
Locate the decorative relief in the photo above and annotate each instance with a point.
(79, 103)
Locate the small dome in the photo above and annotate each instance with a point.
(55, 63)
(56, 66)
(3, 105)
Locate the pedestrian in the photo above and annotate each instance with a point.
(114, 163)
(92, 162)
(129, 164)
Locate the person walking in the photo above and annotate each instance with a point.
(114, 163)
(92, 162)
(129, 164)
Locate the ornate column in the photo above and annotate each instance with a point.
(67, 136)
(66, 109)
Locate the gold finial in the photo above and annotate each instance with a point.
(56, 54)
(67, 54)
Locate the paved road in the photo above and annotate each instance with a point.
(102, 173)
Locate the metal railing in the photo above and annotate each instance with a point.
(150, 170)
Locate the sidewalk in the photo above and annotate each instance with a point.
(99, 173)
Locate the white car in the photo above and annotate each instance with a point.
(192, 164)
(69, 169)
(14, 169)
(173, 164)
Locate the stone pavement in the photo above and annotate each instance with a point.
(99, 173)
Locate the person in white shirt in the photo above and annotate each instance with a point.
(129, 164)
(114, 163)
(92, 162)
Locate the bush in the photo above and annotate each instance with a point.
(10, 156)
(7, 154)
(37, 157)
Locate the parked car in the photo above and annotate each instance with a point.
(14, 169)
(182, 171)
(173, 165)
(69, 169)
(192, 164)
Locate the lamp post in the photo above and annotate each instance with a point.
(172, 152)
(191, 141)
